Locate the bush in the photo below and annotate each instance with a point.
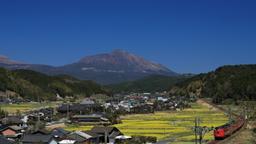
(254, 130)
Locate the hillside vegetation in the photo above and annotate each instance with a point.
(32, 85)
(154, 83)
(227, 83)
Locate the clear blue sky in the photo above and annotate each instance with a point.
(185, 35)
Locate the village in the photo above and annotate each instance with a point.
(47, 125)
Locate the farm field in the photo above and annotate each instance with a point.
(73, 127)
(168, 124)
(23, 107)
(176, 125)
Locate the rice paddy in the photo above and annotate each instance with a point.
(168, 124)
(23, 107)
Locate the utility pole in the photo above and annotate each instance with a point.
(195, 129)
(38, 99)
(106, 136)
(245, 111)
(38, 116)
(67, 111)
(230, 114)
(38, 122)
(105, 133)
(200, 131)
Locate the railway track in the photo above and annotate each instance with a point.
(224, 141)
(233, 135)
(228, 138)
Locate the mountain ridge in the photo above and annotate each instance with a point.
(107, 68)
(6, 60)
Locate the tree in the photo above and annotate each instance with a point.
(3, 113)
(200, 131)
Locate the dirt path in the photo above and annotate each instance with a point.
(202, 102)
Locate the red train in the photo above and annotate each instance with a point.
(226, 130)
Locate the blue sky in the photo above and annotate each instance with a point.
(184, 35)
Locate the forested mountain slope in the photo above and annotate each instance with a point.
(31, 85)
(236, 82)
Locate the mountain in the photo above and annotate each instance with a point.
(6, 60)
(225, 84)
(115, 67)
(33, 85)
(153, 83)
(121, 61)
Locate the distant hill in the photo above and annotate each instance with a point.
(227, 83)
(31, 85)
(153, 83)
(109, 68)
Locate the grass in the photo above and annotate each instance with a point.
(23, 107)
(168, 124)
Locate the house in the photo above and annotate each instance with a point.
(162, 99)
(111, 132)
(12, 120)
(89, 118)
(143, 108)
(9, 132)
(41, 136)
(59, 133)
(123, 139)
(4, 140)
(17, 128)
(80, 108)
(67, 142)
(79, 137)
(87, 101)
(95, 138)
(82, 137)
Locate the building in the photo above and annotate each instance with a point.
(59, 133)
(79, 137)
(87, 101)
(4, 140)
(39, 137)
(94, 118)
(67, 142)
(109, 132)
(12, 120)
(80, 108)
(9, 132)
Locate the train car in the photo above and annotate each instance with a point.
(226, 130)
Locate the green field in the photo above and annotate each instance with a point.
(23, 107)
(168, 124)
